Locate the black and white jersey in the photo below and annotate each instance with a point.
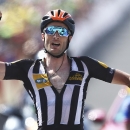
(64, 110)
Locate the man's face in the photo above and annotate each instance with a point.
(55, 44)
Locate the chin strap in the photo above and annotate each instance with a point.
(58, 56)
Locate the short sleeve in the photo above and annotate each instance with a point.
(98, 69)
(17, 69)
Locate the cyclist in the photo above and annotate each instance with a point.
(58, 83)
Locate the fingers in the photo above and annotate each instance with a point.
(0, 15)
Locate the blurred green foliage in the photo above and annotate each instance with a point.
(17, 15)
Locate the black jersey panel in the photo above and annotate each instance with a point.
(74, 103)
(18, 69)
(58, 108)
(62, 127)
(98, 69)
(43, 106)
(79, 64)
(37, 66)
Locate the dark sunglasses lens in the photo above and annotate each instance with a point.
(63, 32)
(52, 29)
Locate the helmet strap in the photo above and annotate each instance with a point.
(58, 56)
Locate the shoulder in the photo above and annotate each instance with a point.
(82, 58)
(85, 59)
(23, 61)
(20, 63)
(91, 62)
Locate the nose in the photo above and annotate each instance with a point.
(56, 35)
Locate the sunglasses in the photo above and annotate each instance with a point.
(51, 30)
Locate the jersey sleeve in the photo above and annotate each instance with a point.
(98, 69)
(17, 69)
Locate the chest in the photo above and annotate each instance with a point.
(59, 79)
(72, 74)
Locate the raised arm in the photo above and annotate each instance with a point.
(121, 77)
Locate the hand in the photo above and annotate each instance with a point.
(0, 15)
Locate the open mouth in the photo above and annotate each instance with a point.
(55, 44)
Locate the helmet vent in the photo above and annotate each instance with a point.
(65, 14)
(52, 13)
(58, 12)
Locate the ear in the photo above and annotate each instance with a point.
(43, 36)
(70, 37)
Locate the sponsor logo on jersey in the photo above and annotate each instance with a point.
(41, 80)
(77, 76)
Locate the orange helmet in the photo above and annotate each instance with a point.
(59, 16)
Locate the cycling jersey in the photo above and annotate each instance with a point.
(64, 110)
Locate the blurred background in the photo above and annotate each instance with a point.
(102, 32)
